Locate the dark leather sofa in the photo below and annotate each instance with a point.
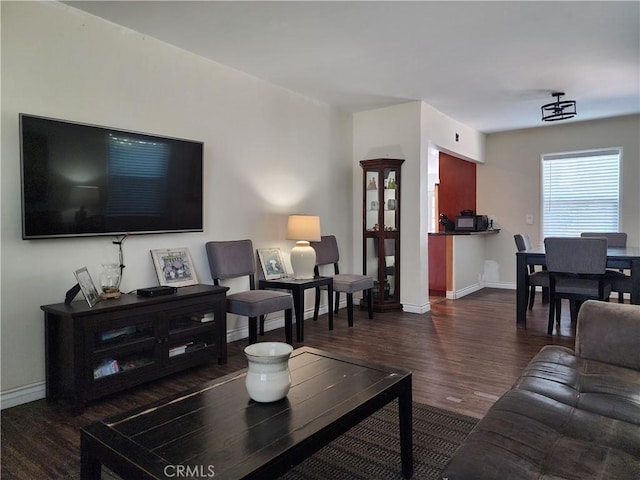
(571, 414)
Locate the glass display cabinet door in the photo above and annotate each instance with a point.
(389, 265)
(381, 230)
(372, 201)
(390, 203)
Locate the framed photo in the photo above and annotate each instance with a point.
(272, 264)
(87, 286)
(174, 267)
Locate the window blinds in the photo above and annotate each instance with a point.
(580, 193)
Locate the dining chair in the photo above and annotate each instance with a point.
(535, 278)
(327, 254)
(234, 259)
(620, 281)
(577, 267)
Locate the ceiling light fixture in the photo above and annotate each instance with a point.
(558, 110)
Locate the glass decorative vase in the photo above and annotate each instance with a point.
(268, 377)
(110, 280)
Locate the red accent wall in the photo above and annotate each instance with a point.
(437, 265)
(457, 189)
(456, 192)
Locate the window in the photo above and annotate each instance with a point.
(580, 192)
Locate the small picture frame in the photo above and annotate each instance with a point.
(272, 265)
(87, 286)
(174, 267)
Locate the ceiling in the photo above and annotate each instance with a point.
(489, 65)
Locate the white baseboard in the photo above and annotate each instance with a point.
(452, 295)
(503, 285)
(20, 395)
(409, 308)
(512, 286)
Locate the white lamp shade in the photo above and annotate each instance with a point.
(303, 229)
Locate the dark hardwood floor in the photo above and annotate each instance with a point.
(463, 355)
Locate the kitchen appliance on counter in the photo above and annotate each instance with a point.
(467, 221)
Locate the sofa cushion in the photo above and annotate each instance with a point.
(526, 435)
(351, 283)
(609, 332)
(595, 387)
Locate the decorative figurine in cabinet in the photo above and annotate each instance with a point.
(381, 230)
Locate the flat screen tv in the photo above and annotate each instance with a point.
(87, 180)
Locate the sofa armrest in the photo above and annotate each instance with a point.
(610, 333)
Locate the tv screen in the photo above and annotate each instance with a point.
(85, 180)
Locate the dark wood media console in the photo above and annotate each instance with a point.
(121, 343)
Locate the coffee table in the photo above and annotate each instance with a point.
(215, 430)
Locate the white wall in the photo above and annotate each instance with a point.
(508, 185)
(440, 130)
(441, 133)
(268, 152)
(468, 264)
(408, 131)
(394, 132)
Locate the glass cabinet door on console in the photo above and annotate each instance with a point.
(381, 230)
(123, 342)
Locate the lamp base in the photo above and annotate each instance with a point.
(303, 260)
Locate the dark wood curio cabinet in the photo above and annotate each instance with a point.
(381, 185)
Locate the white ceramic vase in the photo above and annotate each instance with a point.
(268, 377)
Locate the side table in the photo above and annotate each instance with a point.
(297, 288)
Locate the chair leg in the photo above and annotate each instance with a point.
(370, 302)
(620, 297)
(545, 295)
(288, 326)
(337, 301)
(532, 296)
(574, 306)
(350, 309)
(262, 325)
(552, 311)
(253, 330)
(316, 309)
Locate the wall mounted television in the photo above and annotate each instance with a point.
(89, 180)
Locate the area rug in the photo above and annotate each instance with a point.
(371, 450)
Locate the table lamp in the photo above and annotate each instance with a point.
(303, 229)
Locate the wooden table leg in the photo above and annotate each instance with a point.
(635, 282)
(90, 466)
(405, 414)
(298, 307)
(521, 291)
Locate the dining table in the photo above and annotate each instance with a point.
(627, 258)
